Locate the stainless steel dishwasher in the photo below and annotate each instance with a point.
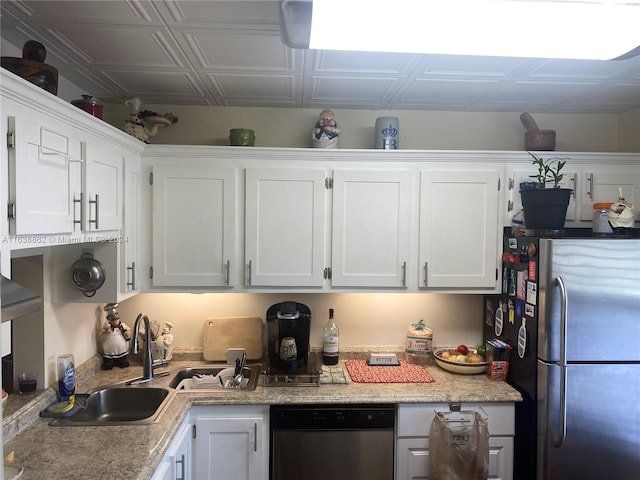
(332, 442)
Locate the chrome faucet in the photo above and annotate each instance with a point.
(147, 365)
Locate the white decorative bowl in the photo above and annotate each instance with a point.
(459, 367)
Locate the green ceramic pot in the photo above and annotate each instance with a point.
(242, 137)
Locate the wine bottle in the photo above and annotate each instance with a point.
(330, 344)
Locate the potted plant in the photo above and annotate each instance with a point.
(544, 203)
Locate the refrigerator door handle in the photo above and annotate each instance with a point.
(559, 436)
(563, 321)
(558, 440)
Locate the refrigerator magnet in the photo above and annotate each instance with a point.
(522, 339)
(498, 323)
(529, 310)
(518, 310)
(532, 270)
(521, 287)
(512, 313)
(532, 292)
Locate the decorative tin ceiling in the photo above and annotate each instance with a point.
(229, 53)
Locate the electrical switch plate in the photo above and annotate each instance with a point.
(378, 359)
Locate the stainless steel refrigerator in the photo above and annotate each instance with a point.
(571, 310)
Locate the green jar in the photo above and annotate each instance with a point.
(242, 137)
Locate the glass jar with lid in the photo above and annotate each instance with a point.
(600, 226)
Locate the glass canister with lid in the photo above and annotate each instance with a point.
(419, 347)
(600, 226)
(90, 105)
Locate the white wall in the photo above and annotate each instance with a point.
(363, 318)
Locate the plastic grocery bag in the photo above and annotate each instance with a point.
(459, 446)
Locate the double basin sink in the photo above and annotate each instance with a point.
(134, 403)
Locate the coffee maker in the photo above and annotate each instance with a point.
(288, 330)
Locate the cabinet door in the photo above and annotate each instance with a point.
(131, 235)
(194, 215)
(371, 221)
(176, 463)
(44, 178)
(103, 181)
(413, 458)
(285, 227)
(230, 448)
(598, 186)
(459, 228)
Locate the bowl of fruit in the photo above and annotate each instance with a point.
(464, 360)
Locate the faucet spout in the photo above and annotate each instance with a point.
(147, 365)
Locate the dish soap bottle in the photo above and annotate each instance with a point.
(66, 377)
(330, 344)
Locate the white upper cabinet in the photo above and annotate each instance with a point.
(459, 228)
(285, 227)
(102, 186)
(194, 223)
(44, 178)
(601, 185)
(310, 220)
(593, 177)
(64, 168)
(371, 228)
(131, 238)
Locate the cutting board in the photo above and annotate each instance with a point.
(220, 334)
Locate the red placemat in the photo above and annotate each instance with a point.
(360, 372)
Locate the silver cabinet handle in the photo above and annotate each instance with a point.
(228, 271)
(590, 180)
(562, 418)
(95, 222)
(425, 273)
(404, 274)
(574, 181)
(181, 462)
(249, 273)
(509, 206)
(81, 202)
(132, 283)
(255, 437)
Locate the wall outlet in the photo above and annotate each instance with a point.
(233, 353)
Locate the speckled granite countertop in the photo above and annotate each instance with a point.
(133, 452)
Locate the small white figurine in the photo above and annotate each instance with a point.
(115, 339)
(163, 345)
(325, 134)
(134, 125)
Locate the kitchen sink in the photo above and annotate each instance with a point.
(118, 405)
(250, 375)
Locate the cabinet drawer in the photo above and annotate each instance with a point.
(414, 420)
(414, 463)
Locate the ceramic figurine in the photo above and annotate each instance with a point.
(115, 339)
(164, 350)
(134, 125)
(325, 134)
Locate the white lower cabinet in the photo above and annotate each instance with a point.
(412, 447)
(231, 442)
(177, 461)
